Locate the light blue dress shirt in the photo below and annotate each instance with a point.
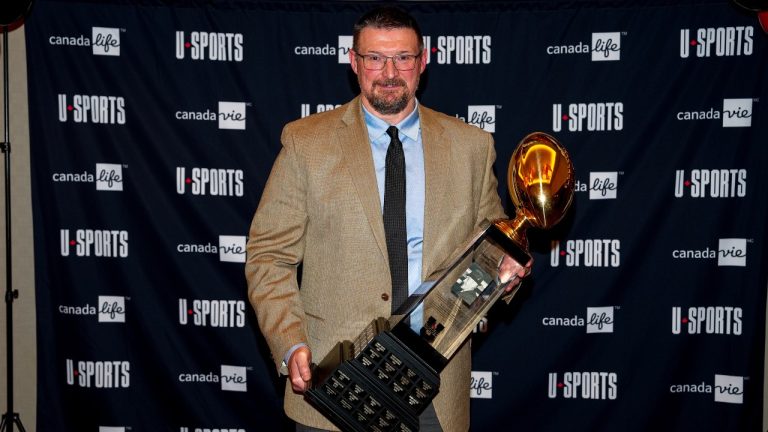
(410, 135)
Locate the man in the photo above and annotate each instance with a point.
(327, 205)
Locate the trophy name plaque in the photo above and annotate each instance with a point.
(385, 379)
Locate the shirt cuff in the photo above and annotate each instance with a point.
(287, 357)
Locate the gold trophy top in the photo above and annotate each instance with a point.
(540, 180)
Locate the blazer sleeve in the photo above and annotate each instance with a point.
(275, 249)
(489, 207)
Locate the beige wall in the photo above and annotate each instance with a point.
(25, 350)
(24, 333)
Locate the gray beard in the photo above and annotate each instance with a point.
(386, 107)
(389, 107)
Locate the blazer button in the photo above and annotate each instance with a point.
(385, 296)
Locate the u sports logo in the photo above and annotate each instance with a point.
(717, 41)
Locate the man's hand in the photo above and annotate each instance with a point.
(298, 369)
(510, 268)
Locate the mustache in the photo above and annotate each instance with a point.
(390, 82)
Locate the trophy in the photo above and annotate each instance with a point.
(384, 379)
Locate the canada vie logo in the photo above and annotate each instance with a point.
(103, 41)
(735, 113)
(107, 177)
(711, 183)
(605, 46)
(213, 46)
(230, 248)
(94, 109)
(717, 41)
(592, 117)
(231, 378)
(448, 49)
(212, 313)
(583, 385)
(230, 115)
(729, 252)
(727, 388)
(720, 320)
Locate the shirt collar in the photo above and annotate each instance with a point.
(377, 127)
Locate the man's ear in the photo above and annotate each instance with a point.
(352, 61)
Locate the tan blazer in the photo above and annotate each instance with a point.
(321, 208)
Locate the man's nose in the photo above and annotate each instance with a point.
(390, 71)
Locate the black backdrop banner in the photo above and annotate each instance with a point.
(154, 128)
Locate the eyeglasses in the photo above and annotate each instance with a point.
(402, 62)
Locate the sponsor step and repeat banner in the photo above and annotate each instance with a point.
(154, 128)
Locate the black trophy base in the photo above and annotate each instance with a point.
(385, 387)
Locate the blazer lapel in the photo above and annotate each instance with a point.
(353, 136)
(437, 158)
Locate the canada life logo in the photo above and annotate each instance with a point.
(602, 185)
(586, 253)
(606, 46)
(735, 113)
(108, 309)
(481, 385)
(107, 177)
(727, 388)
(309, 109)
(710, 320)
(212, 313)
(104, 41)
(730, 252)
(231, 378)
(209, 181)
(98, 374)
(711, 183)
(482, 116)
(590, 117)
(213, 46)
(87, 242)
(95, 109)
(230, 115)
(598, 320)
(717, 41)
(583, 385)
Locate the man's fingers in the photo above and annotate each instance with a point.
(298, 369)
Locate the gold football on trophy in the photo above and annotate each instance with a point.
(540, 181)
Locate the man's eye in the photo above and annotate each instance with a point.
(402, 57)
(374, 57)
